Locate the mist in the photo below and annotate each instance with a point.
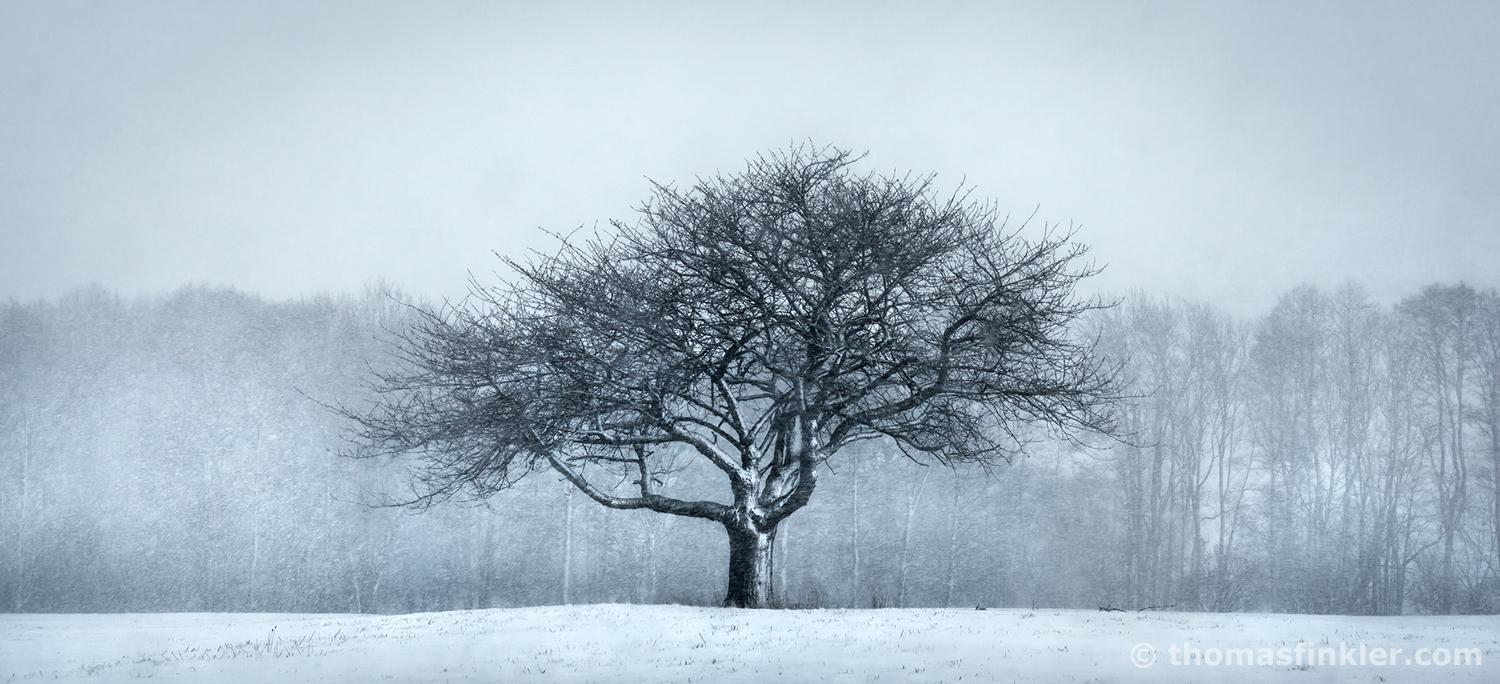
(224, 226)
(1209, 152)
(181, 453)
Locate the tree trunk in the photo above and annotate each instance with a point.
(913, 496)
(781, 565)
(567, 569)
(749, 568)
(1495, 461)
(649, 594)
(953, 541)
(854, 583)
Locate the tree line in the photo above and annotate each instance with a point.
(1333, 456)
(173, 454)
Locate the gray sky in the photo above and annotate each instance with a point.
(1223, 153)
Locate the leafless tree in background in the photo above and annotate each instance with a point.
(1444, 322)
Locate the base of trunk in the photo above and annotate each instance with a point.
(749, 569)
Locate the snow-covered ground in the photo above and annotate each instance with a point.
(622, 643)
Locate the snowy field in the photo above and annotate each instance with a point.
(624, 643)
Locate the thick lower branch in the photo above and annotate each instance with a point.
(708, 510)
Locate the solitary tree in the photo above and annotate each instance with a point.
(761, 322)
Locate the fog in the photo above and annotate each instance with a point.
(1214, 152)
(1332, 456)
(211, 216)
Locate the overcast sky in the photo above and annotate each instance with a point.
(1222, 153)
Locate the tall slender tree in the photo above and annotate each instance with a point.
(1443, 321)
(1487, 356)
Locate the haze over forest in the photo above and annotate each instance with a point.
(170, 454)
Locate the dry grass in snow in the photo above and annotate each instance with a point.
(623, 643)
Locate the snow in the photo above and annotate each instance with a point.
(628, 643)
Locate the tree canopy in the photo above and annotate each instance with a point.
(760, 321)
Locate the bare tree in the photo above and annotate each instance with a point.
(1444, 321)
(1487, 351)
(759, 323)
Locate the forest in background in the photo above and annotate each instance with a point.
(1332, 456)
